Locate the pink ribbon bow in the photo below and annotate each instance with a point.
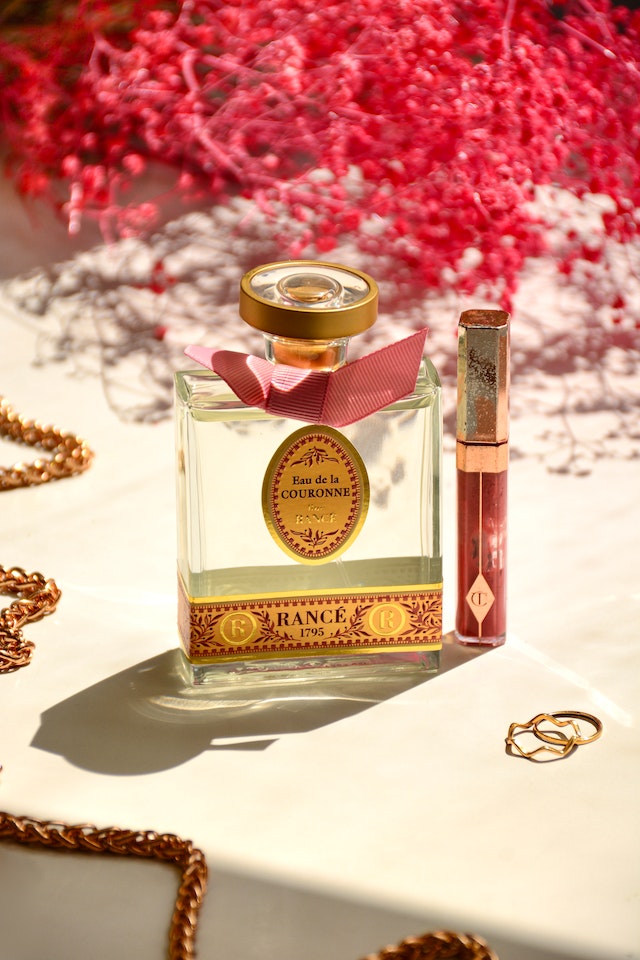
(333, 397)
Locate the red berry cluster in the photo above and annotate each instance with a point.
(419, 128)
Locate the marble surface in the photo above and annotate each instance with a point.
(338, 820)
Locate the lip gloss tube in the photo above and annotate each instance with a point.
(482, 456)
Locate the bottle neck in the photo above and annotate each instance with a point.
(307, 354)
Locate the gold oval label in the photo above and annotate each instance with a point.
(315, 494)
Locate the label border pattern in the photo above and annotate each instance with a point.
(199, 623)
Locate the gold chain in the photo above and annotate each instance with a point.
(37, 597)
(70, 454)
(441, 945)
(165, 847)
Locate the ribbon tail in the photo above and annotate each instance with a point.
(249, 377)
(361, 388)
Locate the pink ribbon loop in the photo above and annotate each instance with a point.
(334, 397)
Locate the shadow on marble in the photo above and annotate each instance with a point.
(293, 923)
(80, 905)
(145, 718)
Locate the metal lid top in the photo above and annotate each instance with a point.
(483, 376)
(308, 300)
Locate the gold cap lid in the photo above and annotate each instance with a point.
(308, 300)
(483, 376)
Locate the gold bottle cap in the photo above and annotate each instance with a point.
(308, 300)
(483, 376)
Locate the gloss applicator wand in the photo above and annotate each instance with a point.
(482, 456)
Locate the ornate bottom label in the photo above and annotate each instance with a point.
(256, 627)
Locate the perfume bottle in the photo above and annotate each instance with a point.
(309, 491)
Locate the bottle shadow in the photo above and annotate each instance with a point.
(147, 718)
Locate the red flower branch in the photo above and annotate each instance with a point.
(420, 128)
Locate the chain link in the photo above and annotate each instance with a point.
(148, 844)
(441, 945)
(71, 455)
(37, 597)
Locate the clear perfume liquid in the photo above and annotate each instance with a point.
(226, 551)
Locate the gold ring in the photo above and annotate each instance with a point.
(564, 743)
(574, 715)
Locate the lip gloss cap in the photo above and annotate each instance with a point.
(483, 376)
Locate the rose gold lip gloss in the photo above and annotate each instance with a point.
(482, 455)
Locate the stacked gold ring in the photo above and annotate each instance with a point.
(557, 744)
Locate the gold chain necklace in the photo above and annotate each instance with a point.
(36, 596)
(69, 454)
(143, 843)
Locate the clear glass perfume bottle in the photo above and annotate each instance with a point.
(302, 547)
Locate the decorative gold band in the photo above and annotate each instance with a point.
(279, 626)
(557, 718)
(478, 458)
(555, 744)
